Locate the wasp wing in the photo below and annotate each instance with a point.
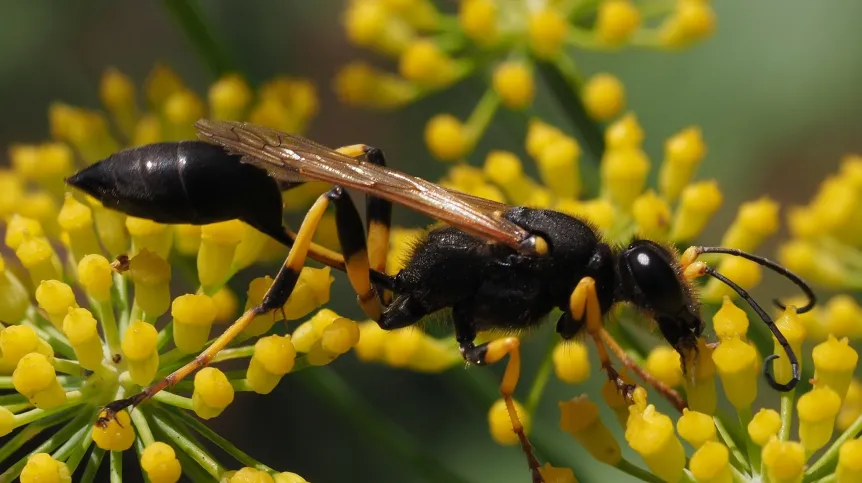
(291, 158)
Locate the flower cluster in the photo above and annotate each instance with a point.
(101, 329)
(509, 41)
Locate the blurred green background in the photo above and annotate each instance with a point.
(776, 92)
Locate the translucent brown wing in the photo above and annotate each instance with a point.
(293, 158)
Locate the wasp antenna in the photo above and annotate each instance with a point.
(768, 361)
(779, 269)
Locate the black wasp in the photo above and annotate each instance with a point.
(494, 266)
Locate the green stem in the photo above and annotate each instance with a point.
(541, 378)
(752, 449)
(738, 459)
(68, 367)
(235, 353)
(55, 339)
(93, 464)
(47, 446)
(188, 15)
(188, 445)
(481, 116)
(829, 457)
(389, 437)
(165, 335)
(37, 414)
(184, 418)
(109, 325)
(641, 474)
(116, 459)
(565, 83)
(10, 446)
(6, 381)
(737, 475)
(143, 429)
(174, 400)
(786, 414)
(63, 452)
(78, 453)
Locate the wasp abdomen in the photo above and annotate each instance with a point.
(184, 182)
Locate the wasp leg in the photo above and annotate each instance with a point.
(666, 391)
(489, 353)
(584, 304)
(274, 299)
(351, 236)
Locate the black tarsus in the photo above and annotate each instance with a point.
(767, 362)
(765, 262)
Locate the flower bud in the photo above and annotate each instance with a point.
(55, 298)
(340, 336)
(117, 93)
(843, 317)
(652, 215)
(651, 435)
(286, 477)
(506, 171)
(371, 341)
(218, 246)
(755, 221)
(96, 275)
(309, 332)
(7, 421)
(11, 192)
(745, 273)
(736, 362)
(558, 167)
(730, 321)
(151, 275)
(624, 173)
(34, 377)
(682, 155)
(226, 305)
(249, 475)
(17, 226)
(698, 203)
(571, 362)
(849, 462)
(187, 239)
(552, 474)
(401, 346)
(547, 31)
(117, 435)
(76, 219)
(852, 407)
(603, 96)
(700, 384)
(38, 257)
(160, 463)
(616, 21)
(16, 341)
(663, 363)
(193, 315)
(311, 292)
(615, 400)
(149, 235)
(42, 468)
(625, 132)
(80, 328)
(180, 111)
(478, 19)
(794, 332)
(711, 464)
(111, 227)
(763, 426)
(513, 82)
(696, 428)
(229, 97)
(250, 247)
(817, 410)
(14, 298)
(784, 461)
(834, 364)
(140, 346)
(446, 137)
(580, 418)
(501, 425)
(212, 394)
(273, 357)
(426, 64)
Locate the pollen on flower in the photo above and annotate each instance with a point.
(212, 393)
(616, 21)
(501, 425)
(571, 362)
(160, 463)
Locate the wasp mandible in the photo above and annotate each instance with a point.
(494, 266)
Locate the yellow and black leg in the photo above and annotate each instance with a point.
(489, 353)
(274, 299)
